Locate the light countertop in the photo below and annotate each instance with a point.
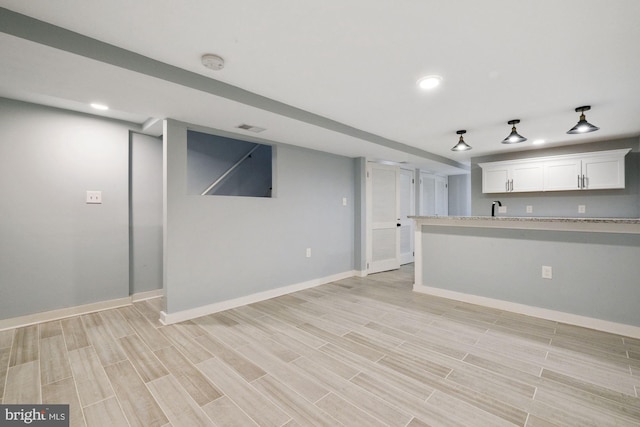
(602, 225)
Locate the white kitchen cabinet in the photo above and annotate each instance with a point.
(563, 174)
(606, 171)
(583, 171)
(589, 171)
(512, 177)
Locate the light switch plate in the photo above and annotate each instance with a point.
(529, 209)
(582, 208)
(308, 252)
(344, 201)
(94, 197)
(547, 272)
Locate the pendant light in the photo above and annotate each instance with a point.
(583, 125)
(514, 137)
(461, 145)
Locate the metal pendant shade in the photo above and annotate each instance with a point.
(461, 145)
(583, 126)
(514, 137)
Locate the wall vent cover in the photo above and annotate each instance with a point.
(251, 128)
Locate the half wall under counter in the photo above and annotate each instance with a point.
(498, 262)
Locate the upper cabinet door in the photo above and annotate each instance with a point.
(512, 177)
(563, 175)
(526, 177)
(495, 179)
(602, 172)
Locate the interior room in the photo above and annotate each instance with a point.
(321, 213)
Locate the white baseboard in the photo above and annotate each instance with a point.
(360, 273)
(141, 296)
(47, 316)
(78, 310)
(542, 313)
(192, 313)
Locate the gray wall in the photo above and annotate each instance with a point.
(599, 203)
(460, 195)
(146, 213)
(55, 250)
(594, 274)
(219, 248)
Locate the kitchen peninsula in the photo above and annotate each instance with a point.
(574, 270)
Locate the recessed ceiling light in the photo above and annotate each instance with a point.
(429, 82)
(538, 142)
(99, 106)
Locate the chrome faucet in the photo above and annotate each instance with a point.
(493, 207)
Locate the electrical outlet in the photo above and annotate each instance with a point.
(344, 201)
(94, 197)
(529, 209)
(308, 252)
(582, 208)
(547, 272)
(502, 209)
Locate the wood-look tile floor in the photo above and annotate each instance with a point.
(358, 352)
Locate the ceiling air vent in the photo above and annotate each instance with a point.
(250, 128)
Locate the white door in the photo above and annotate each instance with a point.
(442, 195)
(427, 194)
(407, 208)
(383, 215)
(434, 195)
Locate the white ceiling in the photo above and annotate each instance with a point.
(352, 62)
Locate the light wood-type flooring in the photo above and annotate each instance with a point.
(358, 352)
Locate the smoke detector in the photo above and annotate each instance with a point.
(213, 62)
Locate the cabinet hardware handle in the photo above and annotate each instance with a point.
(506, 185)
(579, 182)
(511, 185)
(584, 182)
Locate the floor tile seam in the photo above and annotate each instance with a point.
(522, 394)
(609, 369)
(516, 333)
(234, 403)
(557, 404)
(400, 409)
(295, 392)
(466, 402)
(374, 368)
(75, 383)
(186, 395)
(6, 375)
(108, 329)
(154, 355)
(452, 384)
(37, 325)
(238, 377)
(589, 350)
(608, 383)
(345, 396)
(599, 396)
(507, 377)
